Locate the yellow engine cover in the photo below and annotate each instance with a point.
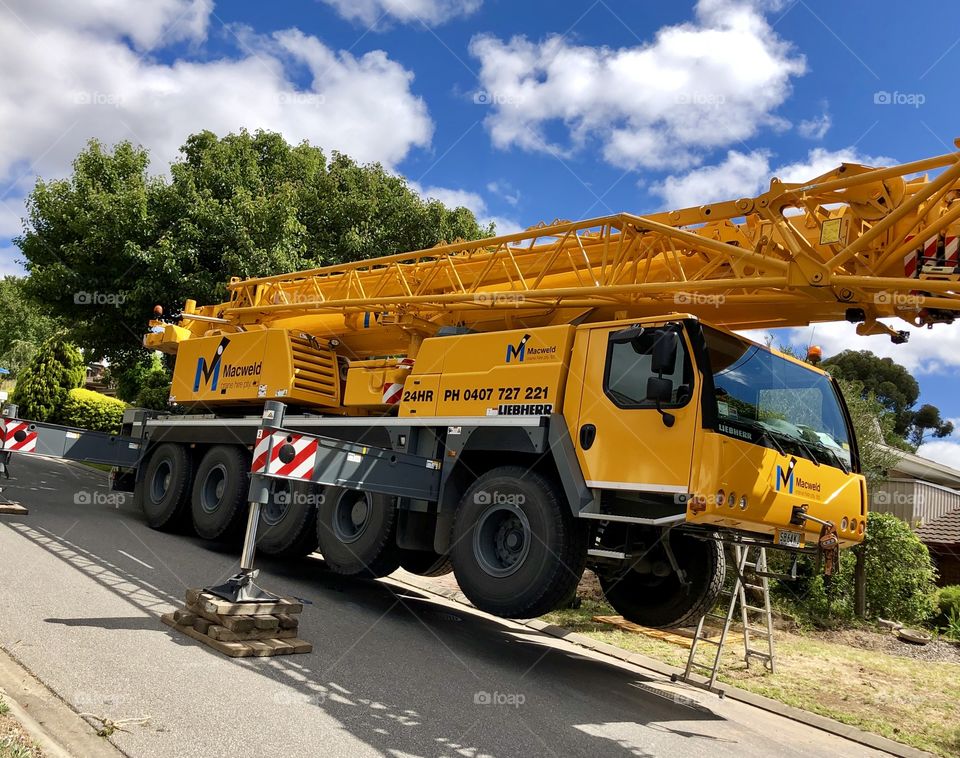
(250, 367)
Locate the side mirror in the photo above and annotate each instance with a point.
(659, 390)
(664, 357)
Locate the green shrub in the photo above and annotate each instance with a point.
(92, 410)
(900, 575)
(899, 580)
(948, 601)
(56, 368)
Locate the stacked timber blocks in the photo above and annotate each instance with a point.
(240, 630)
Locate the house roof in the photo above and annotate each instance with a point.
(944, 530)
(915, 467)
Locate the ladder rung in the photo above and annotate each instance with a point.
(756, 630)
(708, 640)
(755, 608)
(758, 654)
(753, 586)
(714, 616)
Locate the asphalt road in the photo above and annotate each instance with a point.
(394, 672)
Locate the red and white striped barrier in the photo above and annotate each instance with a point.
(19, 437)
(287, 454)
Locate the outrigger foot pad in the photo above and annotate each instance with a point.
(240, 588)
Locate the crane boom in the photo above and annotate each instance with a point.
(856, 243)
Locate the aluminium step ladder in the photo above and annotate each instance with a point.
(758, 581)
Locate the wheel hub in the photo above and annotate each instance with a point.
(350, 517)
(501, 540)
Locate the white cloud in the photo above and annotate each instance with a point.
(815, 128)
(747, 174)
(430, 12)
(453, 198)
(707, 83)
(81, 70)
(946, 451)
(928, 351)
(505, 191)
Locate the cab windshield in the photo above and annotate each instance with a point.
(771, 401)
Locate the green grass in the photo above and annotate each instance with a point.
(11, 747)
(4, 708)
(98, 466)
(903, 699)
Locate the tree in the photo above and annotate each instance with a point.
(106, 245)
(927, 419)
(23, 327)
(130, 379)
(896, 390)
(56, 368)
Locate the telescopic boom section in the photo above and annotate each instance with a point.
(857, 243)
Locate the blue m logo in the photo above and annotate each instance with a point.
(785, 478)
(207, 370)
(519, 350)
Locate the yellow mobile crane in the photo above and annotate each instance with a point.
(576, 391)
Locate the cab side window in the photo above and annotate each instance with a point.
(629, 367)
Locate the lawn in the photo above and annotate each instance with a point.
(14, 742)
(861, 677)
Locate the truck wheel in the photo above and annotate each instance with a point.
(650, 594)
(288, 523)
(517, 550)
(425, 563)
(164, 492)
(220, 488)
(357, 533)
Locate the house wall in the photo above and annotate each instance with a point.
(947, 560)
(916, 502)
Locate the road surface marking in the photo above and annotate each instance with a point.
(133, 558)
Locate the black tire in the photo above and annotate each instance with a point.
(425, 563)
(218, 503)
(356, 532)
(164, 492)
(517, 550)
(658, 601)
(288, 523)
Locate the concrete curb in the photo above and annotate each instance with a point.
(56, 728)
(823, 723)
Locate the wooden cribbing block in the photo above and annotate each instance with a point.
(222, 633)
(212, 604)
(233, 623)
(266, 622)
(287, 621)
(268, 646)
(13, 509)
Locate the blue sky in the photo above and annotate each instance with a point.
(522, 111)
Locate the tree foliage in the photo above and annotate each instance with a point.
(110, 242)
(155, 391)
(896, 390)
(56, 368)
(23, 326)
(872, 425)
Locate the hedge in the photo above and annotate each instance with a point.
(92, 410)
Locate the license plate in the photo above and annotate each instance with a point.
(788, 538)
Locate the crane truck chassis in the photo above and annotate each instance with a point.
(518, 408)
